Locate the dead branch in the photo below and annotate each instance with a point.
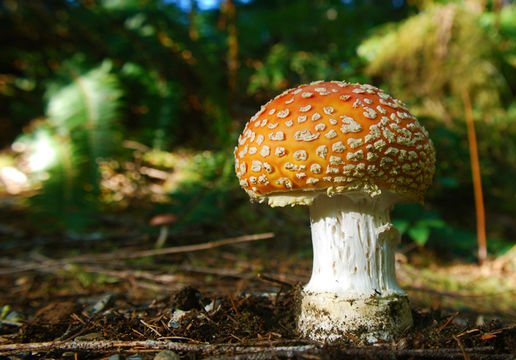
(361, 353)
(131, 254)
(107, 346)
(15, 266)
(100, 346)
(241, 351)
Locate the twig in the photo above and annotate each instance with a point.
(137, 274)
(477, 178)
(468, 332)
(100, 346)
(273, 280)
(14, 266)
(167, 338)
(10, 323)
(257, 351)
(450, 319)
(357, 353)
(138, 333)
(234, 306)
(218, 272)
(120, 255)
(152, 328)
(461, 346)
(77, 317)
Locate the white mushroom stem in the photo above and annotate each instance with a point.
(162, 238)
(353, 244)
(353, 288)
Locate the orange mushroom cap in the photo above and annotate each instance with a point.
(334, 137)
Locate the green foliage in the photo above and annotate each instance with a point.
(203, 195)
(441, 51)
(88, 278)
(430, 60)
(80, 127)
(427, 227)
(504, 25)
(317, 43)
(417, 222)
(282, 64)
(86, 109)
(156, 100)
(9, 316)
(152, 73)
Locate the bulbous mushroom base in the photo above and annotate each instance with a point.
(332, 318)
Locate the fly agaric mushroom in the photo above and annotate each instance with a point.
(350, 152)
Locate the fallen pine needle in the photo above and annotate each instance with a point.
(450, 319)
(468, 332)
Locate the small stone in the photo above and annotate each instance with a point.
(213, 305)
(461, 322)
(12, 316)
(175, 321)
(101, 304)
(166, 355)
(134, 357)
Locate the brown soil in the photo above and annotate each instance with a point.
(224, 303)
(261, 324)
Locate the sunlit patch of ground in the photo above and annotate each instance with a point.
(488, 290)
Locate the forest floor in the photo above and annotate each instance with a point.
(227, 299)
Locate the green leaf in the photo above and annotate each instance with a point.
(419, 233)
(449, 182)
(401, 224)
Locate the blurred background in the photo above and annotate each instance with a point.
(116, 111)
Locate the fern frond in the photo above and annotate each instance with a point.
(82, 117)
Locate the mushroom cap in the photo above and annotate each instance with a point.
(333, 137)
(163, 219)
